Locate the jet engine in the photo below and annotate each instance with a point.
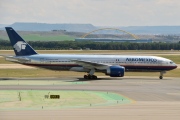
(115, 71)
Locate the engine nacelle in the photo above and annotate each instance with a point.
(115, 71)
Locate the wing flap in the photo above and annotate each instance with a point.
(91, 65)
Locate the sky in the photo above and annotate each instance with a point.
(96, 12)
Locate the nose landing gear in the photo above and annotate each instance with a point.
(160, 77)
(161, 74)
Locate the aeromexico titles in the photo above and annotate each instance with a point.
(111, 65)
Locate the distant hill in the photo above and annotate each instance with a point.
(50, 27)
(152, 29)
(42, 35)
(3, 25)
(84, 28)
(149, 30)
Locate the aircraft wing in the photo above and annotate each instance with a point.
(91, 65)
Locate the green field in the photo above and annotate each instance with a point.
(174, 58)
(35, 100)
(40, 82)
(116, 52)
(48, 73)
(37, 73)
(38, 37)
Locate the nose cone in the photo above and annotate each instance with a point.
(175, 66)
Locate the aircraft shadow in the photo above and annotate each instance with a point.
(7, 79)
(98, 79)
(133, 79)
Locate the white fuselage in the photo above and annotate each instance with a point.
(131, 63)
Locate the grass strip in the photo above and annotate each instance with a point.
(35, 100)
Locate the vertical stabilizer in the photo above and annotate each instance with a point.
(21, 48)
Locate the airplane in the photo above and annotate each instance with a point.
(111, 65)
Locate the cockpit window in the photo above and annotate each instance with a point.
(171, 62)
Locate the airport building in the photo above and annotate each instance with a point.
(114, 40)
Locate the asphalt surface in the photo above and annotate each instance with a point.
(153, 99)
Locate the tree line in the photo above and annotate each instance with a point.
(65, 45)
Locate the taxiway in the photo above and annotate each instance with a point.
(153, 99)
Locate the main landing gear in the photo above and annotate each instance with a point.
(161, 74)
(90, 75)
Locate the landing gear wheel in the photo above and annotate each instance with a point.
(160, 77)
(85, 77)
(94, 77)
(90, 77)
(161, 74)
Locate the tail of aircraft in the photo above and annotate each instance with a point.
(21, 48)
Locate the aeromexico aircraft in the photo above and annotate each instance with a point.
(111, 65)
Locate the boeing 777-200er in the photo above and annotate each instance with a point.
(111, 65)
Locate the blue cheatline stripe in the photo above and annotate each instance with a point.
(127, 67)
